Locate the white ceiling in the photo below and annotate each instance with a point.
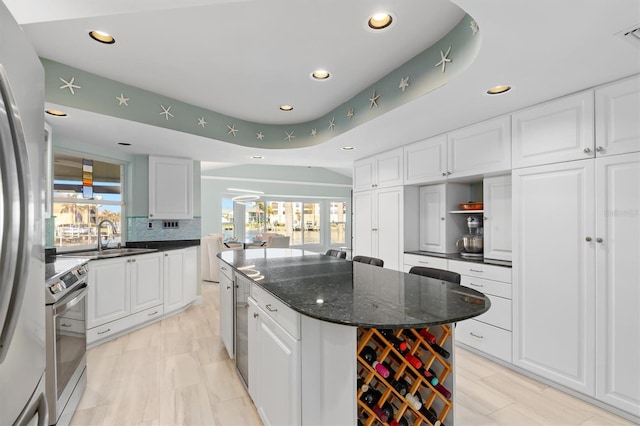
(243, 58)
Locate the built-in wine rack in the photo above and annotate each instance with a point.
(428, 399)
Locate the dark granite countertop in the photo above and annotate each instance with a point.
(458, 256)
(356, 294)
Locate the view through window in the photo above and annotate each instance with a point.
(86, 192)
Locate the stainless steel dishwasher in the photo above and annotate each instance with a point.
(241, 342)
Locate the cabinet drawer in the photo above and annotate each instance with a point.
(286, 317)
(489, 287)
(484, 337)
(428, 261)
(481, 270)
(226, 271)
(499, 314)
(113, 328)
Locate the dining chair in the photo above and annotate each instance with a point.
(440, 274)
(370, 260)
(337, 253)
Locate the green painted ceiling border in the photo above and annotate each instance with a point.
(100, 95)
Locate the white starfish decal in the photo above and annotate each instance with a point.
(289, 137)
(122, 100)
(350, 113)
(474, 27)
(404, 83)
(69, 85)
(314, 132)
(259, 136)
(201, 122)
(373, 100)
(444, 59)
(332, 123)
(232, 129)
(165, 112)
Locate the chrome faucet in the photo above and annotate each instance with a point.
(100, 231)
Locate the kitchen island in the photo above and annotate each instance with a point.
(329, 341)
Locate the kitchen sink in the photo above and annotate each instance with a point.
(108, 253)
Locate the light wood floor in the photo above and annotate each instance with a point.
(176, 372)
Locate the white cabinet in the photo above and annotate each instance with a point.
(411, 260)
(123, 293)
(554, 273)
(617, 249)
(439, 231)
(180, 278)
(109, 296)
(380, 171)
(146, 281)
(274, 360)
(480, 149)
(497, 217)
(617, 112)
(379, 224)
(225, 287)
(426, 161)
(170, 188)
(555, 131)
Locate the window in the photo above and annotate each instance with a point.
(338, 222)
(227, 218)
(86, 192)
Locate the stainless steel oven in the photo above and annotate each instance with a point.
(66, 343)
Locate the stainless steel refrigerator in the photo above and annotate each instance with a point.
(22, 306)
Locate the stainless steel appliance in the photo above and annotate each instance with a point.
(22, 324)
(241, 326)
(66, 337)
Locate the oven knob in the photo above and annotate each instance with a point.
(57, 287)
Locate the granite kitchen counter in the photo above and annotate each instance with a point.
(355, 294)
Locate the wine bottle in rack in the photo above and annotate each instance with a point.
(413, 360)
(369, 355)
(415, 402)
(430, 375)
(370, 397)
(444, 391)
(397, 343)
(362, 385)
(439, 349)
(427, 336)
(401, 386)
(400, 422)
(431, 415)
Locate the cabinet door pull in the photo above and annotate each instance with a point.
(587, 239)
(270, 309)
(599, 149)
(476, 270)
(152, 313)
(423, 261)
(476, 335)
(106, 331)
(476, 285)
(228, 287)
(586, 150)
(64, 324)
(255, 315)
(599, 240)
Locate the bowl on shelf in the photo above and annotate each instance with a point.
(471, 205)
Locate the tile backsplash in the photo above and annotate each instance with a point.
(141, 228)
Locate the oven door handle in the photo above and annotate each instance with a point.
(71, 300)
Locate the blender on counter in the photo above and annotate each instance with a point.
(471, 244)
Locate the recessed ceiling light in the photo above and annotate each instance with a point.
(380, 21)
(124, 143)
(320, 74)
(347, 148)
(56, 112)
(286, 107)
(102, 37)
(257, 157)
(498, 89)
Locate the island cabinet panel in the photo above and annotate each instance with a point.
(225, 288)
(414, 383)
(555, 131)
(617, 112)
(617, 284)
(274, 367)
(554, 273)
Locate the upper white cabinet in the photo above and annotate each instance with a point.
(380, 171)
(170, 188)
(497, 217)
(555, 131)
(618, 117)
(480, 149)
(426, 161)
